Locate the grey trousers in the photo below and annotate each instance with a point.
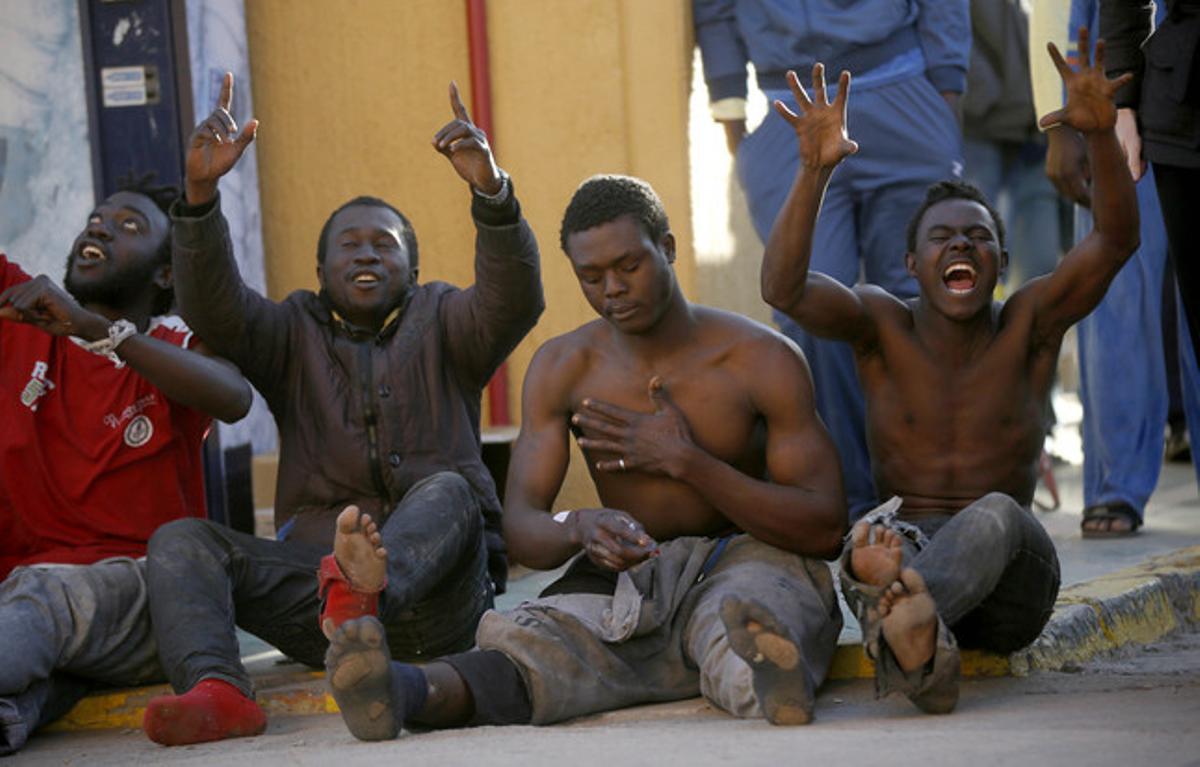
(992, 572)
(660, 637)
(205, 579)
(64, 628)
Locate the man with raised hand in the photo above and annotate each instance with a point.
(375, 385)
(105, 398)
(955, 384)
(720, 488)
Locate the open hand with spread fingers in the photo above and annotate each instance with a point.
(1090, 107)
(215, 147)
(466, 146)
(655, 443)
(820, 126)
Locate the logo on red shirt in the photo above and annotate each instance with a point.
(37, 386)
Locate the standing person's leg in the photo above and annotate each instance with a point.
(1175, 193)
(91, 621)
(767, 162)
(763, 632)
(437, 581)
(1034, 220)
(909, 140)
(1189, 373)
(205, 579)
(1122, 383)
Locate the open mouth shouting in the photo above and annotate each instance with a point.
(960, 278)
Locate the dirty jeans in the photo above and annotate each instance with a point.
(992, 572)
(64, 628)
(659, 636)
(204, 578)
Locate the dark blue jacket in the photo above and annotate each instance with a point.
(858, 35)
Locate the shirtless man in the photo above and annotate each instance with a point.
(699, 574)
(955, 385)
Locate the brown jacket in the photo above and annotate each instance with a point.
(363, 417)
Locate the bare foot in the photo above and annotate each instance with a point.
(359, 550)
(878, 563)
(357, 667)
(909, 620)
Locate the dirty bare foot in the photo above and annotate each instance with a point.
(357, 668)
(781, 681)
(875, 563)
(909, 620)
(359, 550)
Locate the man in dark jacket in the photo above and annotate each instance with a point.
(1159, 121)
(375, 385)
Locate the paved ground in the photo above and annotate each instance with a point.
(1141, 708)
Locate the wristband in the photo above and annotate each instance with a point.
(562, 516)
(107, 347)
(499, 198)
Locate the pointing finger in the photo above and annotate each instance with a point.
(226, 99)
(460, 111)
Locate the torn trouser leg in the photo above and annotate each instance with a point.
(933, 688)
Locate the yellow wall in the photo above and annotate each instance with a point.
(350, 93)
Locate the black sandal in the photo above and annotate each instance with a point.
(1111, 512)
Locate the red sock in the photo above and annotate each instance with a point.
(341, 601)
(212, 710)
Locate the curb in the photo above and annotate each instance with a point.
(1136, 605)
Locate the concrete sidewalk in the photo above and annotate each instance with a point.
(1116, 593)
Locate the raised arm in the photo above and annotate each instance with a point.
(539, 462)
(821, 304)
(800, 507)
(238, 322)
(485, 322)
(1072, 290)
(190, 377)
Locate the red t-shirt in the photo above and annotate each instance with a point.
(93, 457)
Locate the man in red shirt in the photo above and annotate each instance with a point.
(105, 401)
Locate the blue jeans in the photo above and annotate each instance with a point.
(204, 578)
(908, 139)
(1013, 177)
(64, 628)
(1122, 373)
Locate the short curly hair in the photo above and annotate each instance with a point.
(407, 233)
(605, 198)
(952, 190)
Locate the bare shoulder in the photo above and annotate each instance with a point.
(561, 362)
(751, 346)
(886, 308)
